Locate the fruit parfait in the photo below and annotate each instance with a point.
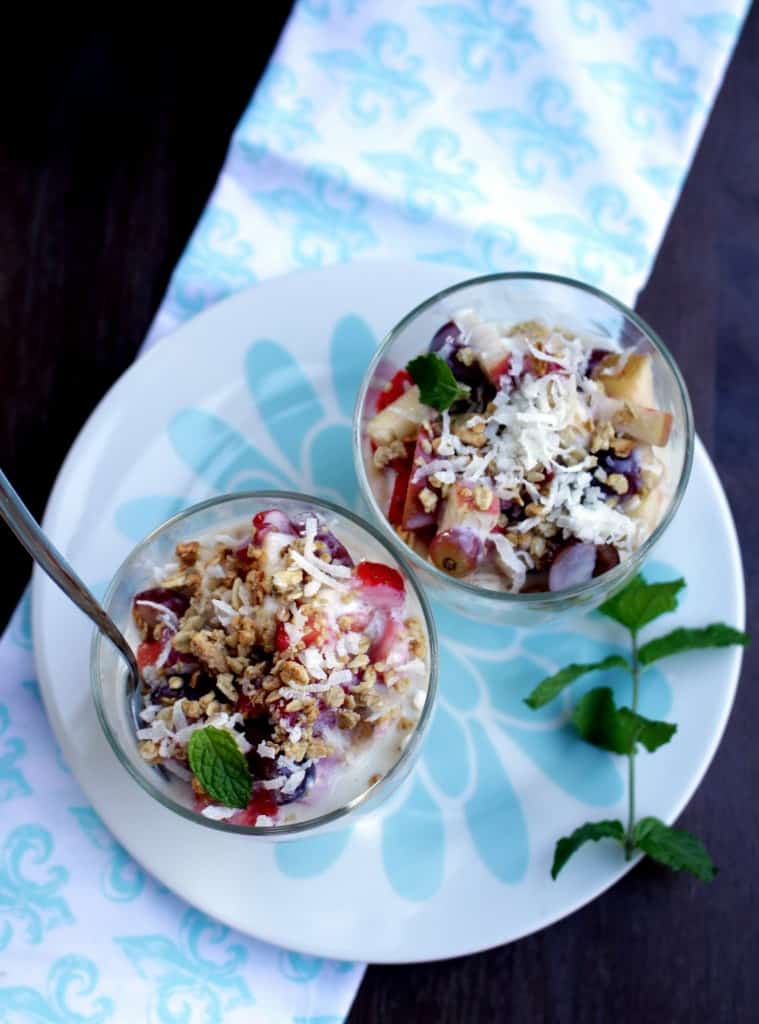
(284, 669)
(522, 457)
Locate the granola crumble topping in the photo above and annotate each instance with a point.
(279, 638)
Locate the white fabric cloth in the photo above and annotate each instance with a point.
(491, 134)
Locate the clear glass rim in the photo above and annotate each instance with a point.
(547, 598)
(298, 828)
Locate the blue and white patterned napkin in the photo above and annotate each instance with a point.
(492, 134)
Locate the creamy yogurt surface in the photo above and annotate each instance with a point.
(312, 658)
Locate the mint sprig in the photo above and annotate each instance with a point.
(434, 378)
(623, 729)
(675, 847)
(600, 722)
(220, 766)
(680, 640)
(552, 686)
(590, 831)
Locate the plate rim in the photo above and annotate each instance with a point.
(40, 582)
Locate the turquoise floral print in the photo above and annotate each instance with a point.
(214, 264)
(122, 879)
(490, 249)
(488, 34)
(462, 782)
(656, 91)
(433, 180)
(198, 976)
(716, 27)
(603, 235)
(12, 748)
(381, 79)
(326, 216)
(548, 135)
(278, 117)
(31, 903)
(590, 15)
(70, 997)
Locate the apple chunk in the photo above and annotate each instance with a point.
(633, 381)
(400, 420)
(459, 544)
(650, 426)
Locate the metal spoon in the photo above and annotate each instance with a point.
(48, 557)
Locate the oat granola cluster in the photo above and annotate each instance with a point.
(280, 639)
(542, 475)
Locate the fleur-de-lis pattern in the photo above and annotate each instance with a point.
(71, 995)
(549, 135)
(604, 233)
(197, 976)
(31, 887)
(591, 15)
(656, 89)
(489, 35)
(122, 879)
(12, 748)
(489, 134)
(435, 180)
(382, 77)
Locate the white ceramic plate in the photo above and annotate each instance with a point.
(259, 391)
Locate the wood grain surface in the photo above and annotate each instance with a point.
(111, 141)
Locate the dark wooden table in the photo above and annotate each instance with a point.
(110, 144)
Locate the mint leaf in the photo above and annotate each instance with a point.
(552, 686)
(678, 849)
(679, 640)
(590, 831)
(434, 378)
(220, 766)
(601, 723)
(640, 602)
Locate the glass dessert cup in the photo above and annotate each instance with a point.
(570, 306)
(109, 677)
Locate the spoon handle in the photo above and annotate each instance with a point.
(48, 557)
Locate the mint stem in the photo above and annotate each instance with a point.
(635, 672)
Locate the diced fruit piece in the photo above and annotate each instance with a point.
(400, 420)
(376, 574)
(148, 652)
(457, 551)
(262, 802)
(650, 509)
(271, 521)
(159, 603)
(448, 343)
(281, 639)
(491, 351)
(651, 426)
(414, 515)
(463, 506)
(607, 557)
(381, 630)
(632, 381)
(445, 340)
(595, 357)
(397, 386)
(338, 552)
(535, 582)
(573, 565)
(628, 467)
(403, 469)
